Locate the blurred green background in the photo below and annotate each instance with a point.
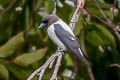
(24, 48)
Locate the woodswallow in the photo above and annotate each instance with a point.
(62, 35)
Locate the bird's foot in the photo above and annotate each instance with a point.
(61, 50)
(73, 22)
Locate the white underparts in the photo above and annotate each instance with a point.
(54, 37)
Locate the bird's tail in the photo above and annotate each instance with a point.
(82, 57)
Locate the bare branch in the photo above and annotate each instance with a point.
(75, 67)
(90, 72)
(55, 4)
(58, 63)
(102, 12)
(89, 12)
(77, 13)
(115, 65)
(8, 8)
(51, 64)
(115, 1)
(40, 71)
(108, 24)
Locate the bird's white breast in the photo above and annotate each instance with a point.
(53, 36)
(55, 39)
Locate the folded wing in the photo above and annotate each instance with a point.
(70, 42)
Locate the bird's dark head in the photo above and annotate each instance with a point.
(49, 20)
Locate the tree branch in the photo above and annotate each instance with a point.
(55, 4)
(108, 24)
(8, 8)
(77, 13)
(40, 71)
(90, 72)
(75, 67)
(115, 65)
(58, 63)
(115, 1)
(102, 12)
(89, 12)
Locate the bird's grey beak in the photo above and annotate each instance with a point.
(42, 25)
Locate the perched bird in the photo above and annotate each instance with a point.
(62, 35)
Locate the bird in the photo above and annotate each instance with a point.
(61, 34)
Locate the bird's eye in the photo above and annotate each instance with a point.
(44, 21)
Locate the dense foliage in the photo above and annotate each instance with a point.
(24, 48)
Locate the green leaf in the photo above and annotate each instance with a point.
(106, 33)
(69, 61)
(14, 43)
(4, 74)
(66, 12)
(28, 58)
(96, 12)
(5, 2)
(94, 39)
(108, 13)
(79, 25)
(90, 3)
(49, 6)
(19, 72)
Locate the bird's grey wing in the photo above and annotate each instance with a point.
(70, 42)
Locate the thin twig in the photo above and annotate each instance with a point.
(75, 68)
(42, 68)
(55, 4)
(58, 63)
(77, 13)
(108, 21)
(89, 12)
(102, 12)
(8, 8)
(115, 65)
(115, 1)
(90, 72)
(51, 64)
(116, 33)
(108, 24)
